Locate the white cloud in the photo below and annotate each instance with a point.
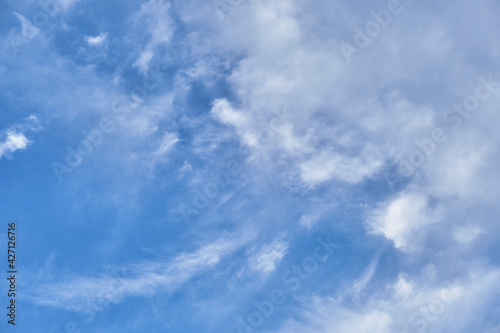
(155, 15)
(186, 167)
(466, 234)
(308, 220)
(97, 40)
(404, 306)
(342, 123)
(267, 257)
(403, 289)
(336, 127)
(404, 220)
(329, 165)
(14, 139)
(360, 284)
(144, 59)
(145, 278)
(166, 144)
(327, 315)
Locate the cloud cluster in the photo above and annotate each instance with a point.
(404, 306)
(191, 88)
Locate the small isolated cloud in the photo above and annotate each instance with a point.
(97, 40)
(12, 142)
(166, 143)
(93, 48)
(186, 167)
(308, 220)
(31, 123)
(265, 259)
(14, 139)
(365, 278)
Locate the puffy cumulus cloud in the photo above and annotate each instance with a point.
(460, 174)
(456, 184)
(15, 139)
(304, 111)
(317, 151)
(405, 220)
(337, 125)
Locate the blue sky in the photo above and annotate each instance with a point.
(251, 166)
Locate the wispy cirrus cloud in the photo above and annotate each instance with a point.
(155, 17)
(265, 259)
(80, 294)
